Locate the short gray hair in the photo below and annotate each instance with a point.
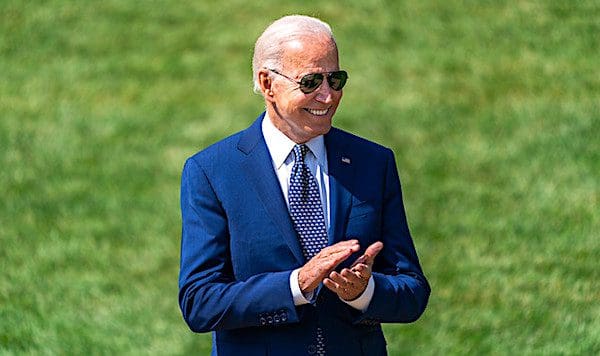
(268, 49)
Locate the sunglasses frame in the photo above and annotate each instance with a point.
(323, 75)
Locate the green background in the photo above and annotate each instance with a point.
(492, 109)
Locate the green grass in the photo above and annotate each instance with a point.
(492, 108)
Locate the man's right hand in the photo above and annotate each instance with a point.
(323, 263)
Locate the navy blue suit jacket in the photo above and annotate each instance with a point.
(239, 247)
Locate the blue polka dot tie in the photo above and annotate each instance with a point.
(305, 206)
(307, 215)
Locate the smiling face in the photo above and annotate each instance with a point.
(302, 116)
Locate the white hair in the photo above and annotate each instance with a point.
(268, 49)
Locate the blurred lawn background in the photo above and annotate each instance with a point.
(492, 108)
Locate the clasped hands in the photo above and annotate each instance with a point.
(350, 282)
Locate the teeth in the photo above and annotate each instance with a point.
(318, 112)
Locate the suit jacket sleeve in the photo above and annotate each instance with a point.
(210, 296)
(401, 289)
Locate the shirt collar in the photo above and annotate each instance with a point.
(280, 145)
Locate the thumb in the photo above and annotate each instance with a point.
(372, 252)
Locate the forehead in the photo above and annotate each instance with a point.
(310, 52)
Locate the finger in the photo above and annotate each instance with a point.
(342, 290)
(343, 244)
(334, 252)
(331, 285)
(372, 252)
(346, 292)
(337, 278)
(362, 268)
(362, 259)
(354, 245)
(352, 277)
(337, 288)
(369, 256)
(374, 249)
(333, 257)
(342, 247)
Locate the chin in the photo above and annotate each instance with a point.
(321, 130)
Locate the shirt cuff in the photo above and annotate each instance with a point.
(362, 303)
(299, 297)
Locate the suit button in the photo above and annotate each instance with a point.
(284, 317)
(263, 321)
(277, 318)
(312, 349)
(270, 319)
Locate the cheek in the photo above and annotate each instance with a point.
(299, 103)
(286, 105)
(338, 96)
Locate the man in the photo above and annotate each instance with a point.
(294, 236)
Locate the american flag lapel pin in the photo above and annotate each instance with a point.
(346, 160)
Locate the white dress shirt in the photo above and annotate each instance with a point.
(280, 146)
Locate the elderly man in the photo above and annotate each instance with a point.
(294, 238)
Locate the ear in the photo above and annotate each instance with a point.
(266, 85)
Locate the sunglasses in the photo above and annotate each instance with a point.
(312, 81)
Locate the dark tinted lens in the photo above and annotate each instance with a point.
(337, 80)
(310, 82)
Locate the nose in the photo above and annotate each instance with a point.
(325, 93)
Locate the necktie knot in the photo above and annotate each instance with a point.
(300, 152)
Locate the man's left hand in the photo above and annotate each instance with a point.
(350, 283)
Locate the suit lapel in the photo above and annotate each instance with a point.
(259, 169)
(341, 175)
